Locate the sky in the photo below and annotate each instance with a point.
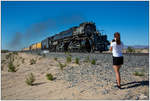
(27, 22)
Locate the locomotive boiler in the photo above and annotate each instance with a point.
(82, 38)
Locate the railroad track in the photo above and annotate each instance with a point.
(127, 54)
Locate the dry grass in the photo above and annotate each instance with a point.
(30, 79)
(32, 61)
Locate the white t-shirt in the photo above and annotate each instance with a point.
(116, 49)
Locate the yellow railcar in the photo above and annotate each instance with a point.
(25, 49)
(33, 47)
(38, 45)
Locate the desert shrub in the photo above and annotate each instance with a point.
(32, 61)
(8, 56)
(93, 61)
(61, 65)
(130, 50)
(77, 60)
(18, 65)
(16, 53)
(68, 59)
(4, 51)
(137, 73)
(23, 60)
(12, 58)
(3, 61)
(11, 67)
(39, 54)
(30, 79)
(20, 58)
(55, 59)
(49, 76)
(40, 58)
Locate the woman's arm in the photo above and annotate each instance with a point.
(110, 48)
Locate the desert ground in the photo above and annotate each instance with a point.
(74, 81)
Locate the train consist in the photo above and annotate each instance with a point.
(82, 38)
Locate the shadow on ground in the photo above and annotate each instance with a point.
(135, 84)
(36, 84)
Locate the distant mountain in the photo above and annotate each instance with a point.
(137, 46)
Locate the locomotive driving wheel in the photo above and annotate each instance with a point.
(74, 46)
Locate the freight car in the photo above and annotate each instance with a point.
(80, 38)
(25, 49)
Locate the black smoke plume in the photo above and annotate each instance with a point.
(42, 28)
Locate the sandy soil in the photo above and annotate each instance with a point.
(14, 86)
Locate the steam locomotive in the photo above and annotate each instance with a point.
(82, 38)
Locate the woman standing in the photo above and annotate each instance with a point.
(116, 48)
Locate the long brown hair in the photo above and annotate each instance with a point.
(117, 36)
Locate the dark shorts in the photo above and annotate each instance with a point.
(117, 60)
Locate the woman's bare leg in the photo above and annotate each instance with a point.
(116, 69)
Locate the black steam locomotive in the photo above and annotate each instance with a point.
(82, 38)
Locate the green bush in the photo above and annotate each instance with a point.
(49, 76)
(4, 51)
(32, 61)
(61, 66)
(16, 53)
(55, 59)
(39, 54)
(137, 73)
(30, 79)
(68, 59)
(130, 50)
(77, 60)
(93, 61)
(11, 67)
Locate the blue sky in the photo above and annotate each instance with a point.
(28, 22)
